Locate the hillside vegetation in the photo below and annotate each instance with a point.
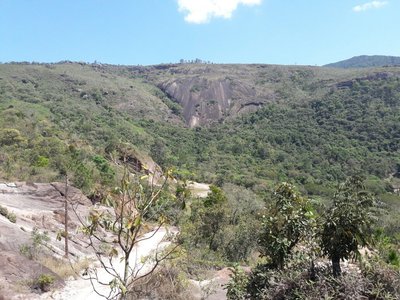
(366, 61)
(253, 132)
(311, 125)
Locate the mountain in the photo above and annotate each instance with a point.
(366, 61)
(242, 128)
(251, 125)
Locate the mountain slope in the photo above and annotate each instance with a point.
(213, 93)
(366, 61)
(252, 124)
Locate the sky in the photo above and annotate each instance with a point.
(145, 32)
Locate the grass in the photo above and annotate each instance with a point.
(63, 268)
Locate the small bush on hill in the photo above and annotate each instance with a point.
(9, 215)
(44, 282)
(39, 240)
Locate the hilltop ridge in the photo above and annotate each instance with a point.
(366, 61)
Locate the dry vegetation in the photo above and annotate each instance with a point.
(64, 268)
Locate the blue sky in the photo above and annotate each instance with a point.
(307, 32)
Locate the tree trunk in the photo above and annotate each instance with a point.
(281, 262)
(337, 271)
(126, 277)
(312, 273)
(211, 245)
(66, 216)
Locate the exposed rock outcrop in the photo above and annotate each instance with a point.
(40, 206)
(372, 77)
(207, 100)
(16, 272)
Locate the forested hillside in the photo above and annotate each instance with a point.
(308, 125)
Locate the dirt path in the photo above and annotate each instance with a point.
(199, 189)
(81, 288)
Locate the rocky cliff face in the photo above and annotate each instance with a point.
(207, 100)
(39, 205)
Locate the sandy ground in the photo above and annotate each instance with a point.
(199, 189)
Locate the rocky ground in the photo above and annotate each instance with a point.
(41, 206)
(38, 206)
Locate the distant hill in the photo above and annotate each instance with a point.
(366, 61)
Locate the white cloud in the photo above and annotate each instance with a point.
(369, 5)
(201, 11)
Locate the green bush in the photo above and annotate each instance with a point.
(3, 211)
(10, 136)
(9, 215)
(236, 289)
(393, 257)
(38, 241)
(42, 161)
(348, 222)
(376, 281)
(44, 281)
(12, 217)
(288, 220)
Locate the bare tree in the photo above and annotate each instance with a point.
(115, 231)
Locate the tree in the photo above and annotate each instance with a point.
(202, 227)
(215, 197)
(288, 220)
(114, 232)
(208, 217)
(70, 165)
(73, 162)
(347, 224)
(159, 152)
(66, 218)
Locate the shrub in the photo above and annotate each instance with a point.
(44, 281)
(10, 136)
(236, 287)
(168, 283)
(42, 161)
(383, 279)
(3, 211)
(63, 268)
(375, 282)
(12, 217)
(393, 257)
(288, 221)
(347, 223)
(38, 241)
(9, 215)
